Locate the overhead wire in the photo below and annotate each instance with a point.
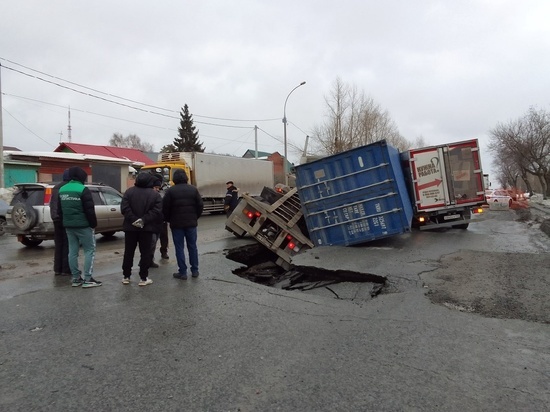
(118, 97)
(129, 100)
(17, 120)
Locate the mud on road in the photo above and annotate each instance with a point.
(517, 288)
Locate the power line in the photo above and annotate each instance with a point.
(237, 120)
(118, 97)
(280, 140)
(85, 87)
(125, 120)
(129, 106)
(17, 120)
(84, 93)
(118, 118)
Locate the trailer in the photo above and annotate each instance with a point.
(275, 221)
(209, 173)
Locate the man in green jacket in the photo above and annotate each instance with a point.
(78, 216)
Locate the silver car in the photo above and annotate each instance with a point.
(29, 218)
(3, 210)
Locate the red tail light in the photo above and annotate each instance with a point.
(47, 195)
(291, 245)
(251, 214)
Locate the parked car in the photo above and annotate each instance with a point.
(3, 210)
(498, 196)
(28, 216)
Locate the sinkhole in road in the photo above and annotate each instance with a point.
(261, 268)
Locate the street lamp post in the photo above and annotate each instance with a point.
(284, 123)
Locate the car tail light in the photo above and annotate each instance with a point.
(47, 195)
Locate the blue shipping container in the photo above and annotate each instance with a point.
(355, 196)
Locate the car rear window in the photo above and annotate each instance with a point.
(96, 196)
(31, 197)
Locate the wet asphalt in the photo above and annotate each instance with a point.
(221, 343)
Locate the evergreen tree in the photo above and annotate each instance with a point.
(188, 138)
(169, 148)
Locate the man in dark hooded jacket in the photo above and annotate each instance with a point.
(61, 251)
(231, 198)
(79, 220)
(182, 206)
(142, 209)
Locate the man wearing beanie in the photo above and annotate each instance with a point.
(61, 251)
(182, 206)
(79, 220)
(142, 210)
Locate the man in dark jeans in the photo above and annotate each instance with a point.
(182, 206)
(164, 241)
(163, 234)
(61, 251)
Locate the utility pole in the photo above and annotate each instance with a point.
(1, 135)
(256, 141)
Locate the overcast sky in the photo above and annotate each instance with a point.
(444, 70)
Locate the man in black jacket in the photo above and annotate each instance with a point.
(61, 243)
(142, 209)
(182, 206)
(231, 198)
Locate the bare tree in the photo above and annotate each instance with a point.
(522, 148)
(353, 120)
(132, 141)
(418, 142)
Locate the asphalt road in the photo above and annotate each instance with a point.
(221, 343)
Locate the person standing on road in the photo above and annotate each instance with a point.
(163, 234)
(79, 219)
(61, 243)
(182, 206)
(142, 209)
(231, 198)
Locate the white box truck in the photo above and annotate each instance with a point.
(445, 184)
(209, 173)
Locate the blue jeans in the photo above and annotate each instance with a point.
(180, 236)
(84, 236)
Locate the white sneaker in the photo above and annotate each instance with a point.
(126, 281)
(145, 282)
